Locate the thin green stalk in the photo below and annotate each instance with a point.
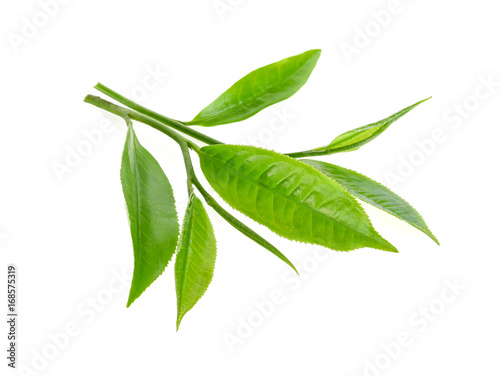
(175, 124)
(129, 115)
(124, 112)
(309, 153)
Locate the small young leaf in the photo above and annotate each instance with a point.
(151, 211)
(373, 193)
(259, 89)
(290, 197)
(195, 261)
(354, 139)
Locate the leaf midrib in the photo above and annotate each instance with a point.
(138, 200)
(254, 98)
(289, 198)
(185, 248)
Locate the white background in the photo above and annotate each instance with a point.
(69, 237)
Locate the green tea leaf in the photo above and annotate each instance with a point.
(151, 213)
(259, 89)
(290, 197)
(354, 139)
(194, 265)
(373, 193)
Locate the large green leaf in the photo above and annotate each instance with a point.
(373, 193)
(354, 139)
(195, 261)
(259, 89)
(290, 197)
(151, 212)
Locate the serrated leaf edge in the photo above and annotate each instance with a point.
(426, 231)
(389, 245)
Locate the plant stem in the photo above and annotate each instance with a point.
(124, 112)
(308, 153)
(129, 115)
(175, 124)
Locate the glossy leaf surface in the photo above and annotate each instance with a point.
(259, 89)
(151, 211)
(195, 260)
(290, 197)
(373, 193)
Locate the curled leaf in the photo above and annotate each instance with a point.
(354, 139)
